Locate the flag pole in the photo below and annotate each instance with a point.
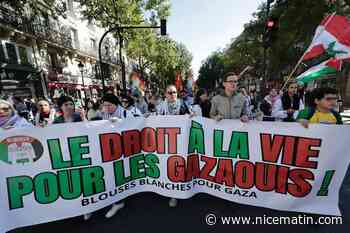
(302, 57)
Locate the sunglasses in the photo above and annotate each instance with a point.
(231, 81)
(5, 109)
(331, 98)
(172, 92)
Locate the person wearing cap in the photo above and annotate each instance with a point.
(9, 118)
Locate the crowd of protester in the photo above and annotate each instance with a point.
(230, 102)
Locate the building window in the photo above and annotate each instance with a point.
(11, 53)
(2, 53)
(92, 43)
(53, 59)
(74, 36)
(23, 55)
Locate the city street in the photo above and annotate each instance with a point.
(149, 212)
(230, 101)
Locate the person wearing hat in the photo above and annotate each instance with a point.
(111, 110)
(68, 112)
(9, 118)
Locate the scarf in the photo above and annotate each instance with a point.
(173, 108)
(9, 121)
(272, 99)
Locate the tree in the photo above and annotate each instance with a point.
(169, 58)
(297, 21)
(54, 8)
(142, 49)
(211, 71)
(113, 13)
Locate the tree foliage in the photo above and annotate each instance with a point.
(162, 57)
(297, 21)
(54, 8)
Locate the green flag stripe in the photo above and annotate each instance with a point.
(317, 74)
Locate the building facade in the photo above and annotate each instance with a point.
(43, 56)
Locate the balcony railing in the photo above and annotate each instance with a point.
(35, 27)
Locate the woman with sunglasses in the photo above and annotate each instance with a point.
(45, 115)
(9, 118)
(172, 106)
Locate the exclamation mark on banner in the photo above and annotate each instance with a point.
(325, 183)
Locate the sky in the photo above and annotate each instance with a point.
(207, 25)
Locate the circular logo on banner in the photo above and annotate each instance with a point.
(20, 150)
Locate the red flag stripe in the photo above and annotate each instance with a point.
(314, 52)
(334, 63)
(339, 27)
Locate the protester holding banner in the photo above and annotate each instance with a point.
(9, 118)
(287, 107)
(322, 111)
(202, 100)
(111, 107)
(267, 105)
(68, 112)
(129, 108)
(229, 104)
(45, 115)
(172, 105)
(140, 102)
(112, 110)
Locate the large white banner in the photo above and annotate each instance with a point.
(67, 170)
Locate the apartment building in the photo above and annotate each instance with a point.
(43, 56)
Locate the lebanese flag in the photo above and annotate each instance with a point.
(329, 67)
(333, 34)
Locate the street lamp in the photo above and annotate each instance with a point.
(81, 68)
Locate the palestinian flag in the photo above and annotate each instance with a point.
(331, 37)
(329, 67)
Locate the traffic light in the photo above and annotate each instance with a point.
(271, 29)
(163, 31)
